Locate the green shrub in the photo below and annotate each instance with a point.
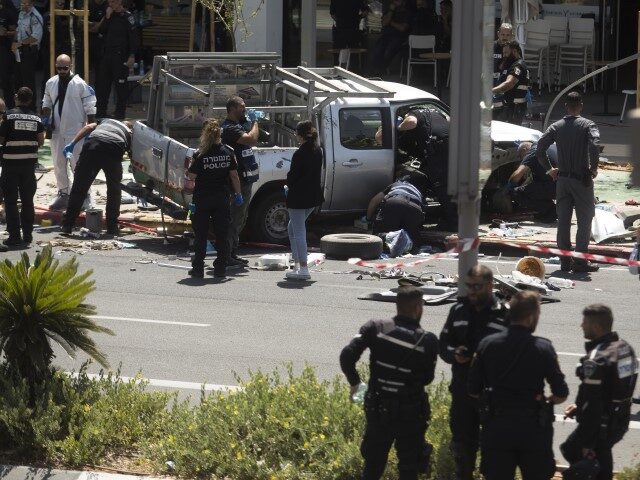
(631, 473)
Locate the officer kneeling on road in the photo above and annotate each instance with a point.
(21, 134)
(507, 375)
(214, 166)
(103, 149)
(399, 206)
(531, 187)
(402, 362)
(470, 320)
(608, 373)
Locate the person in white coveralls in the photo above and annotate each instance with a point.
(68, 104)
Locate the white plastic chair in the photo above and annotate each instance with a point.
(536, 50)
(344, 58)
(422, 42)
(627, 94)
(558, 35)
(578, 53)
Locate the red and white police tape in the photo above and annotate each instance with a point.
(466, 244)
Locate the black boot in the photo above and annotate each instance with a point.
(197, 272)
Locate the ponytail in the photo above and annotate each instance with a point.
(211, 134)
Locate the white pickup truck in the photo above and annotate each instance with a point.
(348, 110)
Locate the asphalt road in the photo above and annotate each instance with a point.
(180, 332)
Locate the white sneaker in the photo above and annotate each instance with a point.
(60, 202)
(301, 274)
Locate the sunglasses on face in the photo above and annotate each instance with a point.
(475, 287)
(64, 69)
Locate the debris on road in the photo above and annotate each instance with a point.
(80, 247)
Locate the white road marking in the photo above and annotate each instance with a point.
(145, 320)
(209, 387)
(633, 424)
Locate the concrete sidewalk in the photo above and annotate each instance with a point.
(16, 472)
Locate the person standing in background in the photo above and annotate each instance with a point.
(8, 23)
(27, 43)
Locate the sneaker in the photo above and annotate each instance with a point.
(60, 202)
(586, 267)
(219, 273)
(301, 274)
(13, 241)
(565, 264)
(27, 237)
(66, 229)
(3, 248)
(196, 272)
(235, 263)
(244, 261)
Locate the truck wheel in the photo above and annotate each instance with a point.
(270, 218)
(349, 245)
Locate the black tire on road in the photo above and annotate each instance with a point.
(350, 245)
(269, 218)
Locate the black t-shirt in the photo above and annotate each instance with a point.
(400, 15)
(20, 128)
(8, 18)
(538, 172)
(212, 169)
(518, 93)
(231, 133)
(96, 13)
(497, 61)
(347, 13)
(63, 84)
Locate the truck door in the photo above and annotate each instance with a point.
(363, 161)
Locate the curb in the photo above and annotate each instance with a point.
(20, 472)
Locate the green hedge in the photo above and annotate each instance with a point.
(277, 426)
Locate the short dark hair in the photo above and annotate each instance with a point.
(600, 314)
(234, 101)
(514, 45)
(574, 99)
(24, 95)
(523, 304)
(481, 271)
(407, 297)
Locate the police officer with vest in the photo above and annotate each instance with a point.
(508, 375)
(402, 362)
(473, 318)
(608, 375)
(240, 131)
(106, 144)
(505, 34)
(214, 168)
(516, 84)
(21, 134)
(120, 45)
(399, 206)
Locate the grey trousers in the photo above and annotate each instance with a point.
(570, 194)
(239, 218)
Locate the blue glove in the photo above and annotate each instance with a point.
(46, 121)
(238, 199)
(67, 151)
(251, 115)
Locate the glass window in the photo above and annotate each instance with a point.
(358, 128)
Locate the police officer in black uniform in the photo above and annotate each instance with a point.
(515, 86)
(470, 320)
(214, 166)
(608, 374)
(424, 136)
(507, 375)
(97, 12)
(505, 34)
(402, 361)
(8, 22)
(120, 46)
(106, 144)
(21, 134)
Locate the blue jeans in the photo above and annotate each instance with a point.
(298, 233)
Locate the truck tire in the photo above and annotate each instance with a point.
(349, 245)
(269, 219)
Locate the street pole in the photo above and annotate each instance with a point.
(308, 34)
(472, 35)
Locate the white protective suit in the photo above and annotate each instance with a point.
(79, 101)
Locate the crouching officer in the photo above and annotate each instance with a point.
(402, 361)
(507, 375)
(608, 373)
(214, 166)
(400, 205)
(470, 320)
(103, 149)
(21, 134)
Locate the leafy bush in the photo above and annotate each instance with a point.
(631, 473)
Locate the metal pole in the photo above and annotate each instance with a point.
(470, 95)
(634, 119)
(638, 67)
(308, 34)
(85, 39)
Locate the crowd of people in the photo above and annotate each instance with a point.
(499, 374)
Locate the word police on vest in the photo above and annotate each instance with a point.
(220, 161)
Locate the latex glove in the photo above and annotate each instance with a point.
(286, 190)
(67, 151)
(238, 199)
(251, 115)
(46, 121)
